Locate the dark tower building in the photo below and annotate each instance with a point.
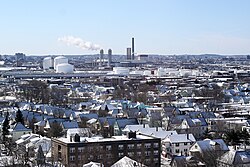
(133, 49)
(109, 57)
(101, 57)
(128, 53)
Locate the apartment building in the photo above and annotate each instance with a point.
(75, 151)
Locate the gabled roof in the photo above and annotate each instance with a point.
(196, 122)
(233, 157)
(92, 164)
(88, 116)
(20, 127)
(180, 138)
(186, 161)
(209, 144)
(127, 162)
(122, 122)
(69, 124)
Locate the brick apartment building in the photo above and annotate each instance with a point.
(76, 151)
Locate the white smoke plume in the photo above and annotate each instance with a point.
(78, 42)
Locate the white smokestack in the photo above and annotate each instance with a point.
(78, 42)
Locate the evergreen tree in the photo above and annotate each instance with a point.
(55, 130)
(6, 126)
(40, 158)
(19, 116)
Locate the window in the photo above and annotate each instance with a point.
(156, 159)
(147, 161)
(185, 150)
(59, 148)
(79, 157)
(99, 156)
(147, 145)
(147, 153)
(139, 146)
(72, 158)
(177, 144)
(185, 143)
(80, 149)
(131, 154)
(109, 156)
(108, 148)
(120, 147)
(138, 153)
(72, 149)
(130, 146)
(120, 154)
(156, 145)
(177, 151)
(156, 152)
(91, 157)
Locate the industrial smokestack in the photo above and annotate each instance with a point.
(128, 53)
(109, 57)
(101, 57)
(133, 49)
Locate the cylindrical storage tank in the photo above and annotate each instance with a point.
(121, 70)
(60, 60)
(64, 68)
(47, 63)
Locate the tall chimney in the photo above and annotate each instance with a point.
(101, 57)
(133, 49)
(128, 53)
(109, 57)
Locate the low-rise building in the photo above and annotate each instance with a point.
(75, 151)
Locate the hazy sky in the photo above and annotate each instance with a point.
(41, 27)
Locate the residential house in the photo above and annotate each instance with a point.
(186, 161)
(127, 162)
(234, 158)
(209, 150)
(121, 123)
(196, 126)
(177, 144)
(19, 130)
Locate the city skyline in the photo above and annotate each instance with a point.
(162, 27)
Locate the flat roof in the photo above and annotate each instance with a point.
(101, 139)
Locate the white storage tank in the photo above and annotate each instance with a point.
(47, 63)
(60, 60)
(121, 70)
(64, 68)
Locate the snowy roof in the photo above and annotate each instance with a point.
(180, 138)
(123, 122)
(92, 164)
(208, 144)
(233, 157)
(127, 162)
